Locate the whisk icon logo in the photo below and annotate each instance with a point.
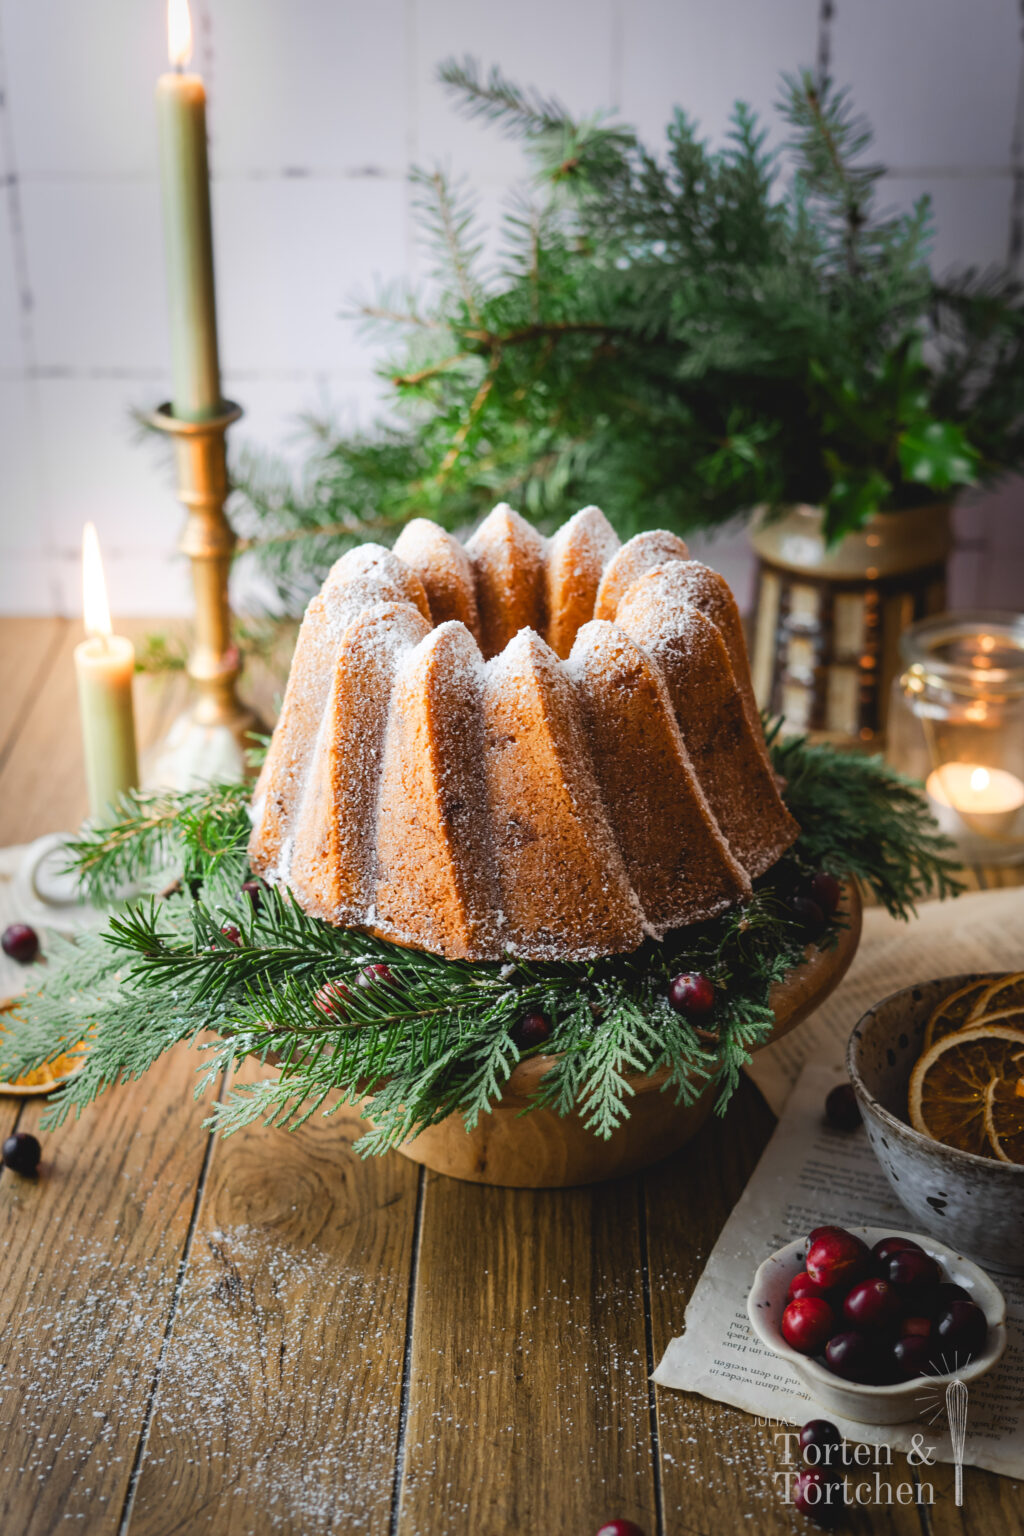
(949, 1401)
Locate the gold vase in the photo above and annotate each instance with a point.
(827, 621)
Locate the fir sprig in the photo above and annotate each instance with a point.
(427, 1037)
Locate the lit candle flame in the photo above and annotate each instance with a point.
(179, 33)
(979, 778)
(95, 610)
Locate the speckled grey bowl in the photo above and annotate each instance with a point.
(973, 1203)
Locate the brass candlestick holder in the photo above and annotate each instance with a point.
(209, 741)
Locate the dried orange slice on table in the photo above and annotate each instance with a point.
(954, 1011)
(949, 1086)
(1004, 1117)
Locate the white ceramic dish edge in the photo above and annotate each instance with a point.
(900, 1402)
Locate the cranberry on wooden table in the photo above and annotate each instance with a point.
(819, 1495)
(841, 1108)
(620, 1528)
(21, 1153)
(819, 1441)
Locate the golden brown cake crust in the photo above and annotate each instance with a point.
(441, 777)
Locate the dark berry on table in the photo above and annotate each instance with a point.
(827, 892)
(691, 994)
(532, 1029)
(807, 1324)
(872, 1304)
(21, 943)
(841, 1108)
(801, 1286)
(376, 975)
(853, 1355)
(916, 1327)
(911, 1267)
(837, 1258)
(254, 890)
(887, 1246)
(818, 1495)
(620, 1527)
(912, 1356)
(21, 1153)
(331, 998)
(819, 1441)
(961, 1332)
(809, 915)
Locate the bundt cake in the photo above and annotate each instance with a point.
(528, 747)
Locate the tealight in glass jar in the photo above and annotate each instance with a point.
(957, 723)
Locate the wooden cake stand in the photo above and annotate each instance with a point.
(544, 1150)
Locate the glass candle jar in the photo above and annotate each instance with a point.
(957, 723)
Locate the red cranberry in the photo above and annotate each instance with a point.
(532, 1029)
(331, 998)
(841, 1108)
(691, 994)
(801, 1286)
(231, 933)
(20, 942)
(911, 1356)
(827, 891)
(816, 1232)
(837, 1258)
(809, 915)
(620, 1527)
(887, 1246)
(254, 890)
(21, 1153)
(376, 975)
(807, 1324)
(939, 1298)
(872, 1304)
(911, 1267)
(818, 1439)
(818, 1495)
(916, 1328)
(961, 1331)
(852, 1355)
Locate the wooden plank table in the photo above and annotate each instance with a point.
(270, 1334)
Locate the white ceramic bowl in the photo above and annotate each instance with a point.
(902, 1401)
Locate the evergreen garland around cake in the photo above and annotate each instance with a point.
(342, 1016)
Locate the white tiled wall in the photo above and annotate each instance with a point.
(317, 109)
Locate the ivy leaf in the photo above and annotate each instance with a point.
(937, 454)
(855, 496)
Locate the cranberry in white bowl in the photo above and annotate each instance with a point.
(873, 1315)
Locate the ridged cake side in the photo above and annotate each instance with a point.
(469, 762)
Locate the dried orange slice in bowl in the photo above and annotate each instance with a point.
(1004, 1116)
(999, 995)
(949, 1085)
(954, 1011)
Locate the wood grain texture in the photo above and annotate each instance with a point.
(528, 1394)
(278, 1402)
(91, 1250)
(716, 1462)
(27, 651)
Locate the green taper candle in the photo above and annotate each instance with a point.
(104, 666)
(188, 236)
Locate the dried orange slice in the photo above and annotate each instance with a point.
(949, 1084)
(44, 1079)
(1005, 992)
(1004, 1116)
(953, 1012)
